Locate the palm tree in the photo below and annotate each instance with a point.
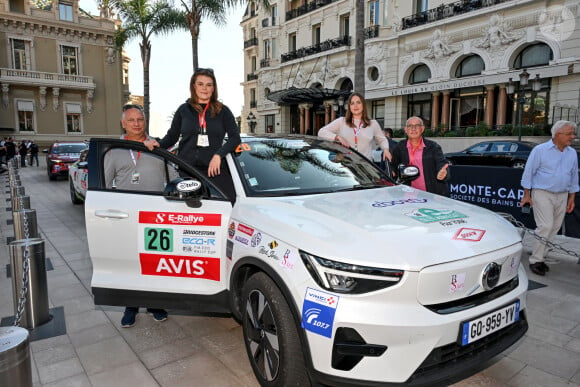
(359, 50)
(214, 10)
(143, 19)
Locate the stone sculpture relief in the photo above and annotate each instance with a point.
(439, 46)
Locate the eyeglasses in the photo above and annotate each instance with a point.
(417, 127)
(132, 106)
(203, 70)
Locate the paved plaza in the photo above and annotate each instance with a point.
(188, 350)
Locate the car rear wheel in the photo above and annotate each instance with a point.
(73, 194)
(519, 164)
(271, 336)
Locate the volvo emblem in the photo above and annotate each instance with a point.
(491, 275)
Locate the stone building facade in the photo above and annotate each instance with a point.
(456, 64)
(61, 77)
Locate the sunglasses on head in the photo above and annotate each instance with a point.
(203, 70)
(132, 106)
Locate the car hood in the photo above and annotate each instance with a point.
(395, 227)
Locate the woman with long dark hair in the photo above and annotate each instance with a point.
(356, 130)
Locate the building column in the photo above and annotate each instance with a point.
(307, 118)
(445, 112)
(435, 110)
(489, 105)
(327, 112)
(501, 106)
(301, 109)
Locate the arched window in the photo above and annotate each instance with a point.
(539, 54)
(472, 65)
(420, 74)
(346, 85)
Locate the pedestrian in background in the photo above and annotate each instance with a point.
(130, 170)
(425, 155)
(202, 123)
(33, 149)
(550, 182)
(10, 149)
(356, 130)
(22, 152)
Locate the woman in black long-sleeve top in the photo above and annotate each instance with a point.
(202, 123)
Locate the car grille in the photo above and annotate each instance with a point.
(475, 300)
(453, 359)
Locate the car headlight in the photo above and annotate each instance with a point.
(348, 278)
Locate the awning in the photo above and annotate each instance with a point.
(294, 95)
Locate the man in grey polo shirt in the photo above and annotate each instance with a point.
(550, 182)
(126, 169)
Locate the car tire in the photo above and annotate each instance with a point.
(73, 194)
(271, 335)
(519, 164)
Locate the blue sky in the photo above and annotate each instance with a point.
(220, 48)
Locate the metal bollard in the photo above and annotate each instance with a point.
(17, 191)
(20, 203)
(35, 309)
(15, 183)
(15, 367)
(24, 222)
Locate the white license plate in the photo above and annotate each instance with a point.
(492, 322)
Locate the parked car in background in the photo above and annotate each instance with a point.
(499, 153)
(337, 274)
(61, 155)
(78, 178)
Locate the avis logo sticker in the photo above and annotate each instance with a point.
(180, 266)
(469, 234)
(318, 312)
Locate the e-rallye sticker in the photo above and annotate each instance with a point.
(431, 215)
(318, 311)
(179, 218)
(180, 266)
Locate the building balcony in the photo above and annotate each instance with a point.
(251, 77)
(265, 62)
(251, 42)
(306, 8)
(253, 104)
(445, 11)
(372, 32)
(320, 47)
(39, 78)
(269, 22)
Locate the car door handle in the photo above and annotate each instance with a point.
(111, 214)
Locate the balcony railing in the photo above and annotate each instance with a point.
(253, 104)
(445, 11)
(320, 47)
(265, 62)
(251, 77)
(372, 32)
(306, 8)
(38, 78)
(251, 42)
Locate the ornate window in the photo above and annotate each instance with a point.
(73, 117)
(65, 11)
(25, 115)
(539, 54)
(70, 60)
(420, 74)
(472, 65)
(20, 54)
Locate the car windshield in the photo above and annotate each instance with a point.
(288, 166)
(62, 149)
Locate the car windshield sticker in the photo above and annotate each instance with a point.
(318, 312)
(180, 244)
(391, 203)
(469, 234)
(253, 181)
(457, 283)
(430, 215)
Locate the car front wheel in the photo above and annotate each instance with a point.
(271, 336)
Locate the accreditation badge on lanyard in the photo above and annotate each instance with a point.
(356, 133)
(202, 139)
(136, 176)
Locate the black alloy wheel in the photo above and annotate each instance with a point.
(271, 336)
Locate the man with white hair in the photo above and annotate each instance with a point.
(550, 182)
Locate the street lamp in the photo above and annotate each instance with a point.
(521, 99)
(340, 102)
(251, 122)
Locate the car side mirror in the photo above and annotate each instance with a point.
(188, 190)
(408, 173)
(83, 165)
